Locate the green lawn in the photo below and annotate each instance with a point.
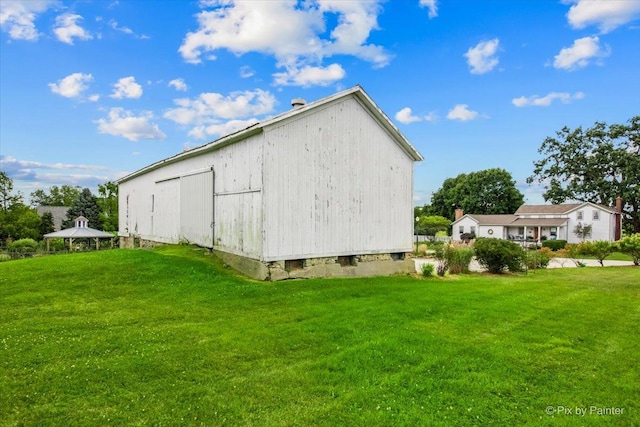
(170, 337)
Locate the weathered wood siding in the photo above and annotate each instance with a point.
(335, 183)
(176, 201)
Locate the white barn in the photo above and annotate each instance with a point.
(324, 189)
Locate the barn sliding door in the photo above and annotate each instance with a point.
(196, 208)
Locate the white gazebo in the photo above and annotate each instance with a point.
(81, 230)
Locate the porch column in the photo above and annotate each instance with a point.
(539, 234)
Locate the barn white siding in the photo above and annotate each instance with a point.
(335, 183)
(196, 208)
(180, 200)
(165, 214)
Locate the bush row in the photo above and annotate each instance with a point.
(498, 256)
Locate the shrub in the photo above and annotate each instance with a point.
(573, 252)
(427, 269)
(56, 244)
(631, 245)
(554, 245)
(422, 249)
(458, 259)
(538, 259)
(498, 255)
(5, 257)
(601, 250)
(23, 245)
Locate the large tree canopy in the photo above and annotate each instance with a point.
(57, 196)
(490, 191)
(17, 221)
(594, 165)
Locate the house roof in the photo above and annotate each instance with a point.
(548, 222)
(493, 219)
(59, 214)
(558, 209)
(355, 91)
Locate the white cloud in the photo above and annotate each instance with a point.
(405, 116)
(94, 98)
(580, 53)
(18, 17)
(41, 174)
(123, 123)
(481, 58)
(67, 29)
(246, 72)
(432, 6)
(126, 87)
(431, 117)
(208, 108)
(295, 33)
(607, 15)
(461, 112)
(221, 129)
(545, 101)
(309, 76)
(126, 30)
(71, 86)
(178, 84)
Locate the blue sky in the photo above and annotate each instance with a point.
(93, 90)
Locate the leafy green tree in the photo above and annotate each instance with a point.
(631, 245)
(430, 225)
(57, 196)
(17, 220)
(490, 191)
(47, 225)
(87, 206)
(593, 165)
(108, 202)
(601, 250)
(7, 198)
(20, 222)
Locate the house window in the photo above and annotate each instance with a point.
(580, 215)
(461, 229)
(596, 215)
(473, 229)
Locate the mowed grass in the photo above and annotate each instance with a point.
(171, 337)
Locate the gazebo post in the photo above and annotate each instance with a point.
(70, 243)
(48, 244)
(97, 245)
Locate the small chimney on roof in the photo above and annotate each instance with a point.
(459, 214)
(298, 103)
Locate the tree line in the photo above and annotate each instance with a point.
(595, 165)
(21, 221)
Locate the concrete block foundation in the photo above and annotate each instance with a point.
(347, 266)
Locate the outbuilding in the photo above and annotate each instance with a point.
(324, 189)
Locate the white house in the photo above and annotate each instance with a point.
(539, 222)
(324, 189)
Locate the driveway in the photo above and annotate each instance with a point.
(554, 263)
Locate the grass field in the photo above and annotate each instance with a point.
(171, 337)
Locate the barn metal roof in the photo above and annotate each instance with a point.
(355, 91)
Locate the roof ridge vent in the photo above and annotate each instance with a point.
(298, 103)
